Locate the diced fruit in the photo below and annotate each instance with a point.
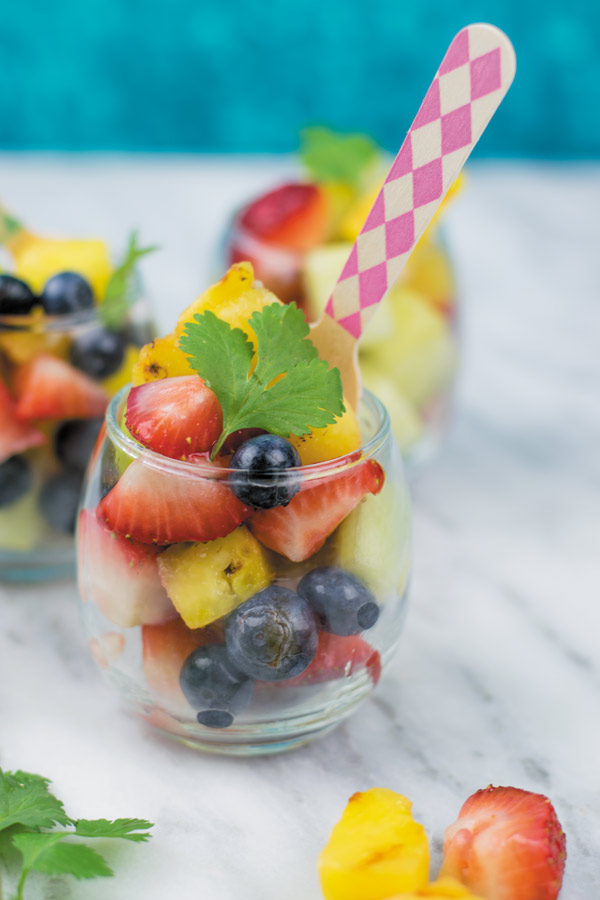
(356, 216)
(20, 524)
(442, 889)
(233, 300)
(48, 388)
(59, 500)
(98, 352)
(301, 528)
(38, 259)
(157, 507)
(122, 376)
(66, 292)
(507, 844)
(206, 581)
(263, 481)
(272, 636)
(21, 347)
(160, 359)
(15, 436)
(174, 416)
(214, 687)
(376, 850)
(295, 216)
(407, 424)
(331, 442)
(16, 297)
(342, 603)
(321, 269)
(16, 479)
(120, 576)
(166, 647)
(340, 657)
(429, 271)
(107, 648)
(74, 441)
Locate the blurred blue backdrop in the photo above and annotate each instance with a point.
(246, 76)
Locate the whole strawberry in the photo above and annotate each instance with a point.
(507, 844)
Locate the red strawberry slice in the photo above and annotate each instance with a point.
(507, 844)
(120, 576)
(49, 388)
(15, 436)
(294, 216)
(174, 416)
(154, 506)
(166, 647)
(301, 528)
(338, 657)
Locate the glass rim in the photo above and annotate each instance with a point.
(326, 468)
(40, 322)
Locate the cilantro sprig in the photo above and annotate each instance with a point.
(328, 156)
(288, 391)
(28, 810)
(120, 290)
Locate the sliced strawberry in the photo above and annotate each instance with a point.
(120, 576)
(49, 388)
(507, 844)
(301, 528)
(174, 416)
(339, 657)
(294, 216)
(166, 647)
(15, 436)
(160, 507)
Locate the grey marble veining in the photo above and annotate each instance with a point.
(498, 674)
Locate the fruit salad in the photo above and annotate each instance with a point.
(244, 541)
(71, 325)
(299, 236)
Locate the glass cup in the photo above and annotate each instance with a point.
(55, 358)
(228, 645)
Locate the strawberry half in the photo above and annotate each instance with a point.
(294, 216)
(49, 388)
(507, 844)
(301, 528)
(174, 416)
(166, 647)
(120, 576)
(159, 507)
(338, 657)
(15, 436)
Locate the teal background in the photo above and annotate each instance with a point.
(246, 76)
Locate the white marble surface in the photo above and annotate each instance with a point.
(498, 676)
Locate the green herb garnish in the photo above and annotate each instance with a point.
(28, 810)
(328, 156)
(121, 287)
(290, 389)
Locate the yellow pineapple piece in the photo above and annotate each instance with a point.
(233, 299)
(38, 259)
(330, 442)
(375, 850)
(442, 889)
(122, 376)
(407, 424)
(22, 346)
(162, 358)
(206, 581)
(429, 271)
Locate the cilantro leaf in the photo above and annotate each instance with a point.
(119, 828)
(328, 156)
(26, 800)
(290, 389)
(47, 853)
(121, 287)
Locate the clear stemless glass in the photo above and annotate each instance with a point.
(138, 597)
(38, 517)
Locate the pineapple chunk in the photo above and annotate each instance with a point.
(206, 581)
(375, 850)
(160, 359)
(330, 442)
(38, 259)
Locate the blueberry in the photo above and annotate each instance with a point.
(98, 352)
(74, 441)
(214, 686)
(342, 603)
(273, 635)
(263, 481)
(59, 499)
(65, 293)
(15, 479)
(16, 297)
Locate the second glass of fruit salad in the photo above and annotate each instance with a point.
(244, 542)
(71, 324)
(299, 236)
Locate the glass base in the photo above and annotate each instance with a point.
(49, 564)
